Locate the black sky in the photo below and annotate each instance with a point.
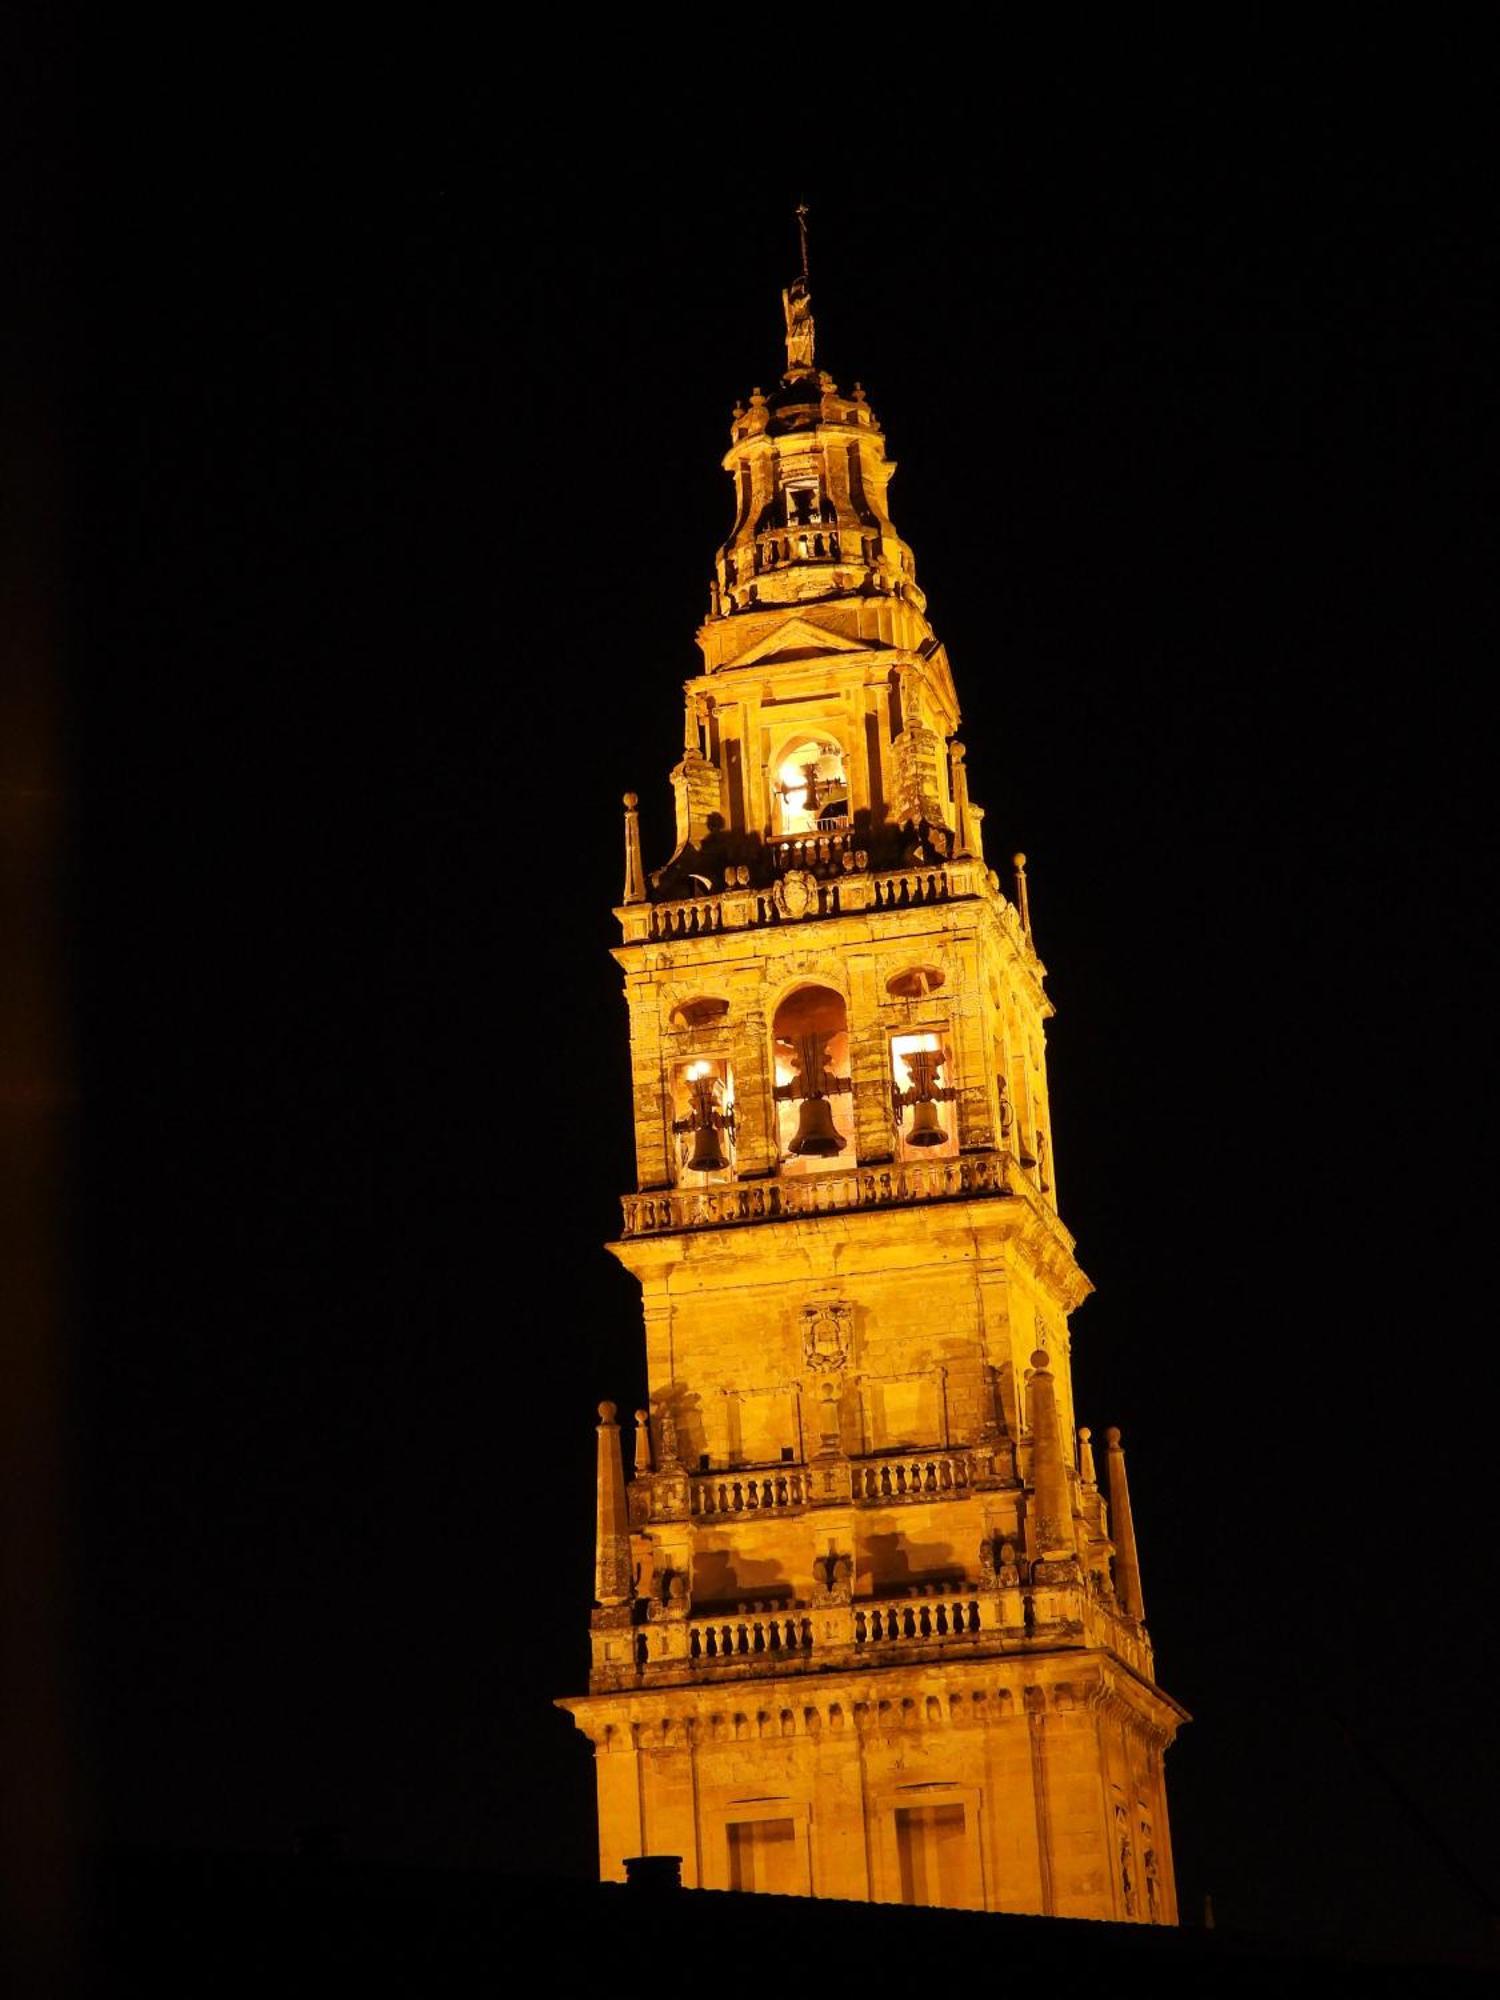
(393, 441)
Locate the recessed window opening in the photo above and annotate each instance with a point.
(922, 1094)
(813, 1092)
(703, 1123)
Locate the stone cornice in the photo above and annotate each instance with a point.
(984, 1692)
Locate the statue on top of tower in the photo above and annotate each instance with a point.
(796, 303)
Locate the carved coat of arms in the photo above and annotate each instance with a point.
(827, 1333)
(796, 892)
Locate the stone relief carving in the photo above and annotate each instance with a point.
(828, 1333)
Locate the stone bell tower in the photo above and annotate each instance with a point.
(866, 1625)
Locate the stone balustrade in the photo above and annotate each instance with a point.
(839, 882)
(912, 885)
(919, 1621)
(931, 1622)
(769, 1637)
(740, 1490)
(912, 1476)
(902, 1181)
(698, 917)
(748, 1492)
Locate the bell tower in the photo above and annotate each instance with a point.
(866, 1624)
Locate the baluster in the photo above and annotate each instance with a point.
(711, 1643)
(924, 1623)
(752, 1493)
(909, 1623)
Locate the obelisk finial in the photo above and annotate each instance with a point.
(1023, 900)
(635, 874)
(1127, 1559)
(612, 1573)
(1052, 1504)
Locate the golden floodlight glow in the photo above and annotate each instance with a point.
(794, 785)
(866, 1625)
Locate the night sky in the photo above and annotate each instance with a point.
(393, 433)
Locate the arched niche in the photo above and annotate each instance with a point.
(814, 1099)
(915, 982)
(703, 1011)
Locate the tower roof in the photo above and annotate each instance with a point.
(812, 526)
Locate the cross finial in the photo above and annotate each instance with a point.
(802, 213)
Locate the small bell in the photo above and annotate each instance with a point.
(925, 1129)
(816, 1136)
(707, 1156)
(924, 1067)
(706, 1121)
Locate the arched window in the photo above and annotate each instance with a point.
(814, 1102)
(810, 787)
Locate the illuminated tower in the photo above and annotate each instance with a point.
(866, 1625)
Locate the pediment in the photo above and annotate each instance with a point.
(796, 639)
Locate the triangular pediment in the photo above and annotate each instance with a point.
(796, 639)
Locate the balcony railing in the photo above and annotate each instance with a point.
(745, 1638)
(902, 1182)
(748, 1492)
(931, 1622)
(918, 1622)
(915, 1476)
(908, 1475)
(828, 895)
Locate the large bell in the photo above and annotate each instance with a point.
(925, 1129)
(708, 1155)
(816, 1136)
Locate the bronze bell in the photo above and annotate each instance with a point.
(708, 1155)
(706, 1121)
(925, 1129)
(816, 1136)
